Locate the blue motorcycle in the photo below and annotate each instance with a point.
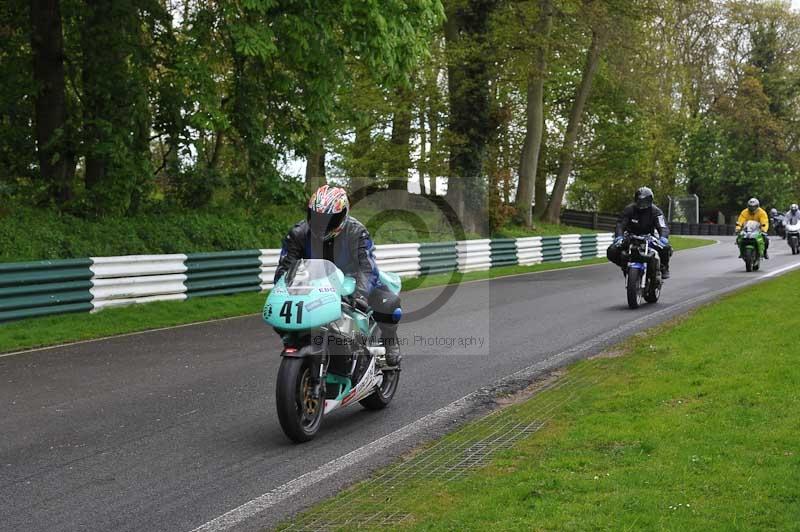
(643, 271)
(332, 357)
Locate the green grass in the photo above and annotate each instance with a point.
(51, 330)
(540, 229)
(693, 426)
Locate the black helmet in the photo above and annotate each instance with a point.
(753, 205)
(643, 198)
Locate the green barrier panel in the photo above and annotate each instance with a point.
(44, 311)
(551, 249)
(437, 257)
(225, 272)
(588, 246)
(40, 288)
(503, 252)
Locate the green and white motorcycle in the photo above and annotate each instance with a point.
(332, 357)
(751, 245)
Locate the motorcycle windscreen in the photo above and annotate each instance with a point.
(307, 296)
(752, 226)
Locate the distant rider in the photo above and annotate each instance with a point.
(754, 213)
(329, 233)
(792, 216)
(642, 217)
(777, 222)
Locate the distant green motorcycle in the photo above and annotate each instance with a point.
(751, 245)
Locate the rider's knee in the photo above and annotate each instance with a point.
(386, 306)
(614, 254)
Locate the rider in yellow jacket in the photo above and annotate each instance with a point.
(755, 213)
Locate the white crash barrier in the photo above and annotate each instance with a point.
(474, 255)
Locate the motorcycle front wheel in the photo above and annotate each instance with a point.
(635, 298)
(748, 259)
(299, 413)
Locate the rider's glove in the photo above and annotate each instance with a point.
(618, 241)
(360, 303)
(665, 241)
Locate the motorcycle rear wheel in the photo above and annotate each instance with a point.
(652, 291)
(384, 393)
(300, 415)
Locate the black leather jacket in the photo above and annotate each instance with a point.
(351, 250)
(647, 222)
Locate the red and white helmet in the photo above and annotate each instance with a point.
(327, 211)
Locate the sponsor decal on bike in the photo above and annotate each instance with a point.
(320, 301)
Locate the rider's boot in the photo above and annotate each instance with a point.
(392, 346)
(665, 271)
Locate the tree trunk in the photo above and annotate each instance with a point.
(540, 184)
(56, 161)
(422, 164)
(567, 156)
(433, 155)
(468, 75)
(361, 171)
(400, 140)
(529, 158)
(315, 168)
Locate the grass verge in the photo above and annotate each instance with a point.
(692, 426)
(52, 330)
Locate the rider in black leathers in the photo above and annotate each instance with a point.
(642, 217)
(330, 233)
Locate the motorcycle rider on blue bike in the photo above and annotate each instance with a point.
(642, 217)
(329, 233)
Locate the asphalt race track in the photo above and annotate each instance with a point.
(170, 429)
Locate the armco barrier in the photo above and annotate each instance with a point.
(437, 257)
(603, 241)
(504, 252)
(402, 259)
(269, 263)
(29, 289)
(529, 250)
(224, 272)
(551, 249)
(50, 287)
(570, 248)
(137, 279)
(588, 245)
(474, 255)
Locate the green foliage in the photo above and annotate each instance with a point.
(34, 234)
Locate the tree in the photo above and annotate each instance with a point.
(534, 112)
(469, 71)
(567, 155)
(56, 159)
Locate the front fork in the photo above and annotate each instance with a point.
(313, 348)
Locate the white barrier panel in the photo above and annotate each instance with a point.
(529, 250)
(110, 303)
(269, 263)
(137, 265)
(570, 248)
(402, 259)
(474, 255)
(124, 280)
(603, 241)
